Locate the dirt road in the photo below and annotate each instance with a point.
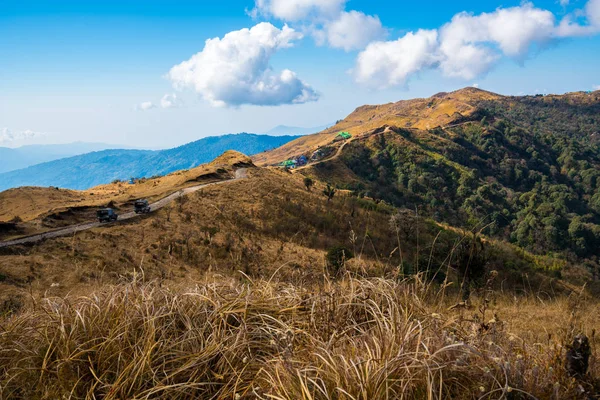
(339, 150)
(73, 229)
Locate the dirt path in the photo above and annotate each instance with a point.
(339, 150)
(73, 229)
(455, 125)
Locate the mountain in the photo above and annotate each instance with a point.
(522, 169)
(88, 170)
(25, 156)
(442, 230)
(294, 130)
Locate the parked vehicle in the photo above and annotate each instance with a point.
(107, 215)
(142, 207)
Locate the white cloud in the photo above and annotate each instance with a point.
(466, 61)
(351, 31)
(469, 45)
(468, 42)
(297, 10)
(167, 101)
(564, 3)
(326, 20)
(171, 101)
(476, 85)
(235, 70)
(569, 26)
(384, 64)
(145, 106)
(8, 136)
(596, 87)
(592, 12)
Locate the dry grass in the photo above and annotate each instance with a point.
(261, 223)
(264, 223)
(226, 339)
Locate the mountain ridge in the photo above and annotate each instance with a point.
(12, 159)
(91, 169)
(295, 130)
(441, 109)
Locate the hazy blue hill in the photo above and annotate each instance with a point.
(294, 130)
(87, 170)
(26, 156)
(207, 149)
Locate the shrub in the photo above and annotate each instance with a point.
(337, 257)
(329, 192)
(308, 183)
(471, 261)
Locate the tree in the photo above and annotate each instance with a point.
(470, 262)
(404, 222)
(308, 183)
(329, 192)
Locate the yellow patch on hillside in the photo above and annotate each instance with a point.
(439, 110)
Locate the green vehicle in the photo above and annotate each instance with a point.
(288, 164)
(107, 215)
(342, 136)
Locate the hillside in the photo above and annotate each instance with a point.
(92, 169)
(527, 169)
(32, 210)
(255, 225)
(440, 110)
(233, 282)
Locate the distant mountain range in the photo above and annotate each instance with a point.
(22, 157)
(294, 130)
(92, 169)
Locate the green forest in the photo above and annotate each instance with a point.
(525, 169)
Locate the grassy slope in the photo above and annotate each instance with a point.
(263, 224)
(225, 293)
(34, 203)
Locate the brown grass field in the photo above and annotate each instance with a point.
(229, 338)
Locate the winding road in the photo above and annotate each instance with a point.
(341, 148)
(72, 229)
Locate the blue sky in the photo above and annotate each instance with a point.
(97, 71)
